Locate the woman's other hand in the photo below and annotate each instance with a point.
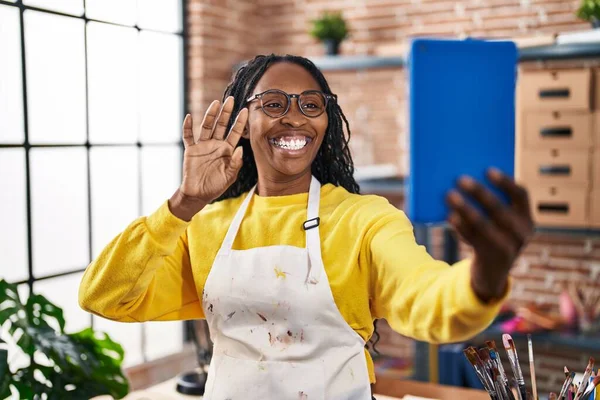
(211, 160)
(498, 240)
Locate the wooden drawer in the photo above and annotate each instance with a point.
(595, 208)
(559, 206)
(555, 89)
(596, 169)
(557, 130)
(555, 167)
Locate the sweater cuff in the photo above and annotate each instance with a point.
(467, 296)
(164, 227)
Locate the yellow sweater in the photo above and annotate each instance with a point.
(157, 267)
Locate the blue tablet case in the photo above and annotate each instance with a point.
(461, 118)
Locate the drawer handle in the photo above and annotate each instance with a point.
(556, 132)
(555, 170)
(554, 208)
(544, 93)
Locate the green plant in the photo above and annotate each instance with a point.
(589, 10)
(62, 365)
(330, 26)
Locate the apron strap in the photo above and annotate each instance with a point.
(313, 239)
(311, 227)
(235, 223)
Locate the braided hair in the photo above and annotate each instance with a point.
(333, 163)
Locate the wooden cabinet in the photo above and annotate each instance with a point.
(557, 134)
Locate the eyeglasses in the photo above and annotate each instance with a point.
(276, 103)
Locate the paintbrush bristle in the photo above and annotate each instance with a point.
(596, 381)
(484, 354)
(591, 362)
(508, 342)
(566, 370)
(491, 344)
(470, 356)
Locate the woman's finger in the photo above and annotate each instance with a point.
(237, 129)
(188, 131)
(502, 216)
(223, 119)
(209, 121)
(518, 194)
(483, 237)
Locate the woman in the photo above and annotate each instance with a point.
(268, 239)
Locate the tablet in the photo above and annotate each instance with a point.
(461, 118)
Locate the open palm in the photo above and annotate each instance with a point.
(211, 160)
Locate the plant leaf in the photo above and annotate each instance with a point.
(41, 312)
(5, 377)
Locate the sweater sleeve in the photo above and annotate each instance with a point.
(144, 273)
(420, 297)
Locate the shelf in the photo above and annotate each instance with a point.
(341, 63)
(565, 339)
(567, 51)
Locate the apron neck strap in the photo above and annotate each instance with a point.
(313, 242)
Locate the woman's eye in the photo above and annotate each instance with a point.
(273, 105)
(310, 105)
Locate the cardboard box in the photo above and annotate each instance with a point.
(595, 209)
(556, 90)
(556, 167)
(559, 206)
(557, 129)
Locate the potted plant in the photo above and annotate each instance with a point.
(330, 29)
(589, 10)
(62, 365)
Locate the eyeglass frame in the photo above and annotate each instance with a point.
(291, 96)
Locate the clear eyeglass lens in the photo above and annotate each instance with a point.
(274, 103)
(312, 103)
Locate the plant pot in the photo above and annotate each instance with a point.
(332, 47)
(595, 22)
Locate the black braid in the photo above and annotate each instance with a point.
(333, 163)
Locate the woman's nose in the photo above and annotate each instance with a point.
(294, 116)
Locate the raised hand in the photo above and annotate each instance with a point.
(211, 160)
(496, 241)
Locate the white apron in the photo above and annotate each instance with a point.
(276, 329)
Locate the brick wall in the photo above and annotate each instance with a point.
(378, 22)
(223, 33)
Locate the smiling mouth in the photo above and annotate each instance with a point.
(290, 142)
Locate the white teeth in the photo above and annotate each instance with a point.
(293, 144)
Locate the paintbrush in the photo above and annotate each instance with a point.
(492, 346)
(566, 385)
(498, 364)
(532, 368)
(513, 358)
(585, 380)
(566, 372)
(591, 388)
(477, 364)
(499, 384)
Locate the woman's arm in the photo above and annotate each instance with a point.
(144, 273)
(420, 297)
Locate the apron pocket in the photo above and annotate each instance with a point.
(240, 379)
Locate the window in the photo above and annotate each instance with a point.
(91, 106)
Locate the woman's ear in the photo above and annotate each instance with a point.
(246, 133)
